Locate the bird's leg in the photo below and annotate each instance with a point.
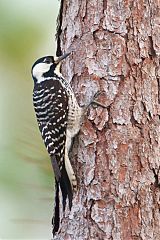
(84, 109)
(94, 102)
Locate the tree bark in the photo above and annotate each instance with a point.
(116, 156)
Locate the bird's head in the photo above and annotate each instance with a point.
(47, 67)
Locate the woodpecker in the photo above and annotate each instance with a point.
(59, 117)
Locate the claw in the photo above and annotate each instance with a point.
(98, 93)
(98, 104)
(94, 101)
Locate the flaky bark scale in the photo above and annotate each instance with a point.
(116, 156)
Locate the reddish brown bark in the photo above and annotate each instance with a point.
(116, 156)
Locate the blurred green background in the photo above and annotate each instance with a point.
(27, 32)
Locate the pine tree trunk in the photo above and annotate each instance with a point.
(116, 156)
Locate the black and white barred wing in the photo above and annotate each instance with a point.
(51, 106)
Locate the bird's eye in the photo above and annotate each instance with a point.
(46, 61)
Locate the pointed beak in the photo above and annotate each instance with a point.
(59, 59)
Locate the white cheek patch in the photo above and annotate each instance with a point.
(39, 70)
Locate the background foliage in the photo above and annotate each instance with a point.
(27, 30)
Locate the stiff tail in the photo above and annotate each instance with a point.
(66, 190)
(56, 218)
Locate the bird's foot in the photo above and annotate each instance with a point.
(95, 102)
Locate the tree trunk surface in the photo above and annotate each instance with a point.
(116, 155)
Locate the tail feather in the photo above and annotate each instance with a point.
(56, 218)
(66, 190)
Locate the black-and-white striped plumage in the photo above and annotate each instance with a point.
(51, 106)
(58, 116)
